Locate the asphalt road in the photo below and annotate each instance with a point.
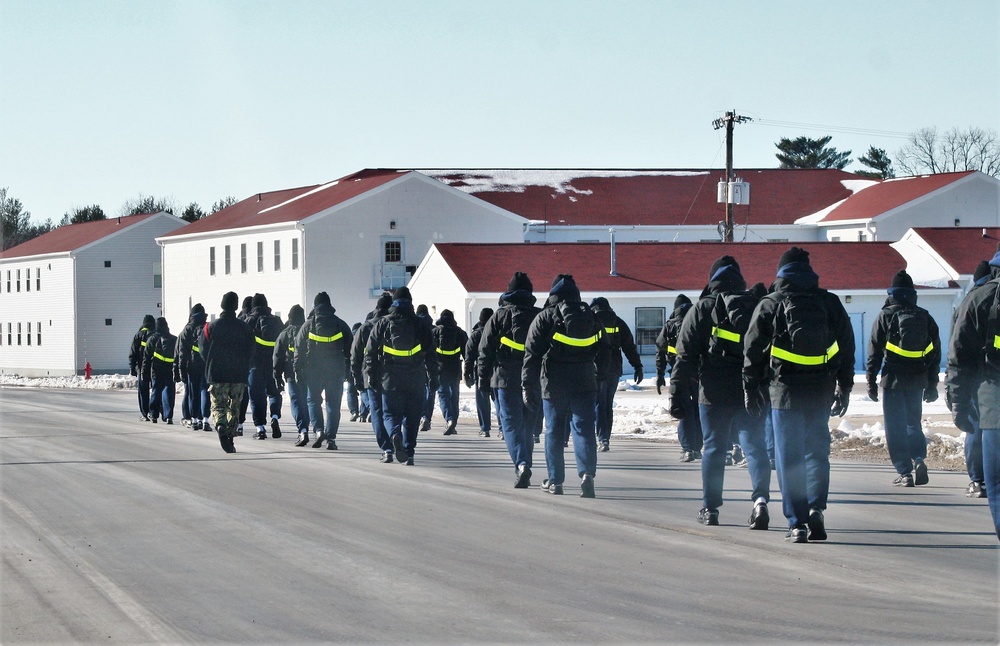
(119, 531)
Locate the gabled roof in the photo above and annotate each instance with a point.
(289, 205)
(649, 197)
(666, 266)
(961, 247)
(889, 194)
(71, 237)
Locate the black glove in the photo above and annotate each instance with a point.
(484, 386)
(930, 394)
(962, 415)
(300, 377)
(177, 374)
(469, 381)
(531, 398)
(638, 375)
(434, 384)
(661, 381)
(873, 391)
(841, 398)
(755, 400)
(132, 371)
(279, 381)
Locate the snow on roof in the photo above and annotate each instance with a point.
(961, 247)
(71, 237)
(665, 266)
(882, 197)
(661, 197)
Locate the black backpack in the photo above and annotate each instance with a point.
(576, 332)
(269, 327)
(908, 339)
(448, 343)
(403, 345)
(802, 336)
(731, 316)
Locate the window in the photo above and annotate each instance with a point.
(393, 251)
(107, 263)
(277, 255)
(1, 333)
(19, 334)
(648, 323)
(38, 280)
(29, 333)
(19, 283)
(39, 333)
(27, 279)
(260, 257)
(211, 261)
(107, 321)
(227, 260)
(157, 275)
(8, 281)
(10, 336)
(295, 253)
(243, 257)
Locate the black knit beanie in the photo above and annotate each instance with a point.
(725, 261)
(902, 279)
(247, 303)
(259, 300)
(982, 270)
(402, 293)
(296, 315)
(485, 314)
(321, 299)
(230, 301)
(681, 300)
(520, 281)
(384, 301)
(795, 254)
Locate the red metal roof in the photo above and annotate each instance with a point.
(650, 197)
(664, 266)
(890, 194)
(961, 247)
(289, 205)
(72, 236)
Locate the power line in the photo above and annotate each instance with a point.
(829, 128)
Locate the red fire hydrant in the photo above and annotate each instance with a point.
(86, 371)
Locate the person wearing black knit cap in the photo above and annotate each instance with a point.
(226, 346)
(483, 401)
(135, 356)
(710, 353)
(689, 426)
(449, 350)
(190, 369)
(322, 361)
(621, 341)
(370, 394)
(799, 350)
(907, 338)
(283, 363)
(265, 398)
(424, 316)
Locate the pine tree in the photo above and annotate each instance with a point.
(878, 161)
(803, 152)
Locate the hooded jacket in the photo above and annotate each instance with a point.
(893, 377)
(187, 356)
(323, 346)
(389, 368)
(972, 371)
(360, 344)
(265, 327)
(159, 356)
(227, 343)
(283, 357)
(137, 352)
(500, 362)
(666, 341)
(619, 338)
(472, 346)
(760, 368)
(449, 346)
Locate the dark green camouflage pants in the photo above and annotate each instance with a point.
(226, 406)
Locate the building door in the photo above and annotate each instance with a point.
(860, 341)
(391, 273)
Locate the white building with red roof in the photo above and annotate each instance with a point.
(352, 238)
(78, 294)
(945, 256)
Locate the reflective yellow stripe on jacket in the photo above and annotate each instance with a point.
(803, 359)
(157, 355)
(577, 343)
(325, 339)
(728, 335)
(261, 341)
(913, 354)
(401, 353)
(671, 349)
(448, 353)
(511, 343)
(196, 349)
(611, 330)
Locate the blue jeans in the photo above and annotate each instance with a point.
(689, 430)
(974, 448)
(577, 411)
(448, 397)
(199, 405)
(483, 406)
(401, 410)
(142, 387)
(991, 471)
(264, 396)
(604, 409)
(802, 456)
(378, 419)
(517, 422)
(161, 397)
(428, 405)
(904, 438)
(326, 418)
(769, 434)
(297, 397)
(720, 423)
(353, 401)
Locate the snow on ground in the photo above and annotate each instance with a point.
(639, 411)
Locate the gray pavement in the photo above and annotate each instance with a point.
(119, 531)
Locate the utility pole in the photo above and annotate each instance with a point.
(727, 122)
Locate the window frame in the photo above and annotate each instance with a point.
(647, 331)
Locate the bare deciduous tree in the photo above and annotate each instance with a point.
(956, 150)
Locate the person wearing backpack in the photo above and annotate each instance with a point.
(905, 345)
(322, 361)
(136, 355)
(689, 426)
(428, 410)
(973, 381)
(265, 398)
(449, 350)
(283, 362)
(710, 353)
(620, 339)
(799, 353)
(189, 369)
(483, 401)
(564, 352)
(158, 369)
(368, 393)
(499, 367)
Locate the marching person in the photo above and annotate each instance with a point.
(369, 392)
(428, 411)
(400, 367)
(283, 363)
(563, 353)
(689, 426)
(135, 357)
(907, 338)
(190, 369)
(483, 401)
(710, 352)
(449, 349)
(799, 353)
(357, 405)
(227, 344)
(501, 360)
(620, 339)
(265, 398)
(322, 361)
(158, 369)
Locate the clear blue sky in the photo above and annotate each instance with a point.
(195, 100)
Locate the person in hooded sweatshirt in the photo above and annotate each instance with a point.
(158, 366)
(357, 405)
(283, 363)
(564, 352)
(974, 378)
(449, 349)
(227, 343)
(190, 368)
(428, 411)
(483, 402)
(372, 394)
(265, 398)
(799, 354)
(974, 440)
(710, 352)
(689, 427)
(323, 360)
(400, 366)
(621, 340)
(501, 360)
(905, 345)
(135, 357)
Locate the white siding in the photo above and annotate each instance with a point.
(436, 286)
(641, 233)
